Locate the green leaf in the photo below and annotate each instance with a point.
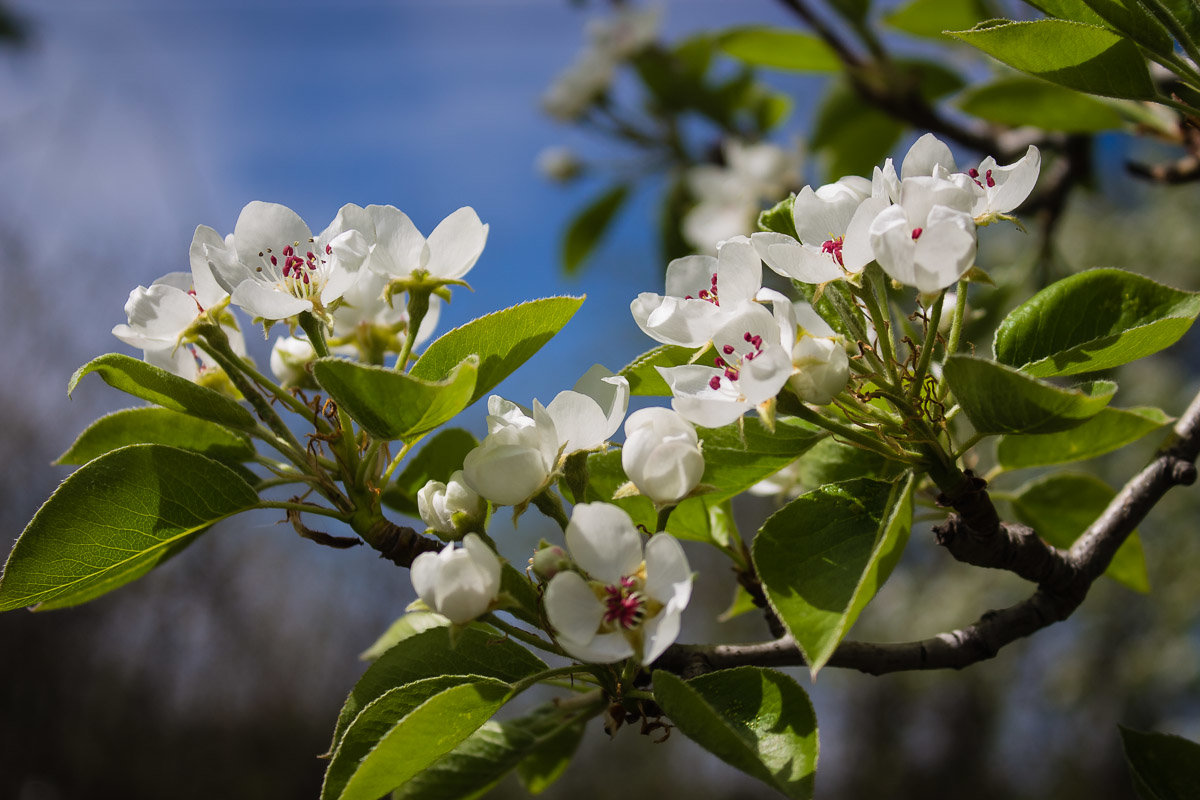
(406, 730)
(854, 11)
(755, 719)
(116, 518)
(1000, 399)
(520, 590)
(395, 405)
(831, 461)
(406, 627)
(164, 389)
(549, 758)
(823, 557)
(1111, 429)
(1094, 320)
(428, 654)
(929, 18)
(852, 136)
(644, 378)
(1164, 767)
(442, 454)
(1028, 101)
(490, 753)
(157, 426)
(589, 226)
(1061, 507)
(503, 340)
(780, 49)
(1087, 58)
(779, 218)
(1075, 10)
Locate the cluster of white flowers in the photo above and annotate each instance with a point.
(920, 226)
(729, 197)
(609, 42)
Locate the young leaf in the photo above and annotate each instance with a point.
(1111, 429)
(1062, 506)
(1028, 101)
(645, 379)
(589, 226)
(395, 405)
(407, 729)
(116, 518)
(1164, 767)
(755, 719)
(405, 627)
(503, 340)
(779, 218)
(1093, 320)
(930, 18)
(1087, 58)
(442, 454)
(157, 426)
(823, 557)
(429, 653)
(1000, 399)
(780, 49)
(164, 389)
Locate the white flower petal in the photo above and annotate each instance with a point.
(261, 300)
(399, 246)
(572, 607)
(926, 154)
(456, 244)
(603, 541)
(262, 225)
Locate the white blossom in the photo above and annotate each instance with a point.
(290, 357)
(927, 240)
(400, 251)
(458, 583)
(822, 220)
(999, 190)
(626, 603)
(661, 454)
(820, 368)
(450, 509)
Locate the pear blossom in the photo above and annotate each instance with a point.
(820, 368)
(661, 454)
(626, 33)
(372, 325)
(753, 363)
(625, 601)
(927, 240)
(450, 509)
(290, 357)
(822, 219)
(275, 268)
(458, 583)
(702, 293)
(401, 252)
(575, 89)
(999, 190)
(559, 164)
(521, 453)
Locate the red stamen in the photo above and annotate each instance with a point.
(916, 234)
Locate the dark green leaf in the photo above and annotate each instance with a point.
(823, 557)
(503, 340)
(1075, 10)
(407, 729)
(164, 389)
(546, 763)
(930, 18)
(406, 627)
(116, 518)
(589, 226)
(757, 720)
(1111, 429)
(780, 49)
(429, 654)
(442, 454)
(395, 405)
(643, 375)
(1094, 320)
(519, 588)
(779, 218)
(157, 426)
(1060, 508)
(1164, 767)
(1087, 58)
(1000, 399)
(831, 461)
(854, 11)
(1028, 101)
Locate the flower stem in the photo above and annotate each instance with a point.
(304, 507)
(927, 348)
(316, 336)
(549, 504)
(537, 678)
(523, 635)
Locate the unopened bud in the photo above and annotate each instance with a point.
(450, 509)
(549, 560)
(821, 368)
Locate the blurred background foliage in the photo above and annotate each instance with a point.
(220, 674)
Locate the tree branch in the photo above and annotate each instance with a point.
(1064, 579)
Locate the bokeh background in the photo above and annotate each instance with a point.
(125, 124)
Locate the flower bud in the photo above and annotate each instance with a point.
(514, 462)
(458, 583)
(821, 368)
(661, 454)
(450, 509)
(549, 560)
(559, 164)
(290, 357)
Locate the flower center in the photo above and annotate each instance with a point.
(987, 178)
(624, 605)
(833, 248)
(295, 269)
(733, 368)
(708, 295)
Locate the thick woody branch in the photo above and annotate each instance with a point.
(1064, 579)
(399, 544)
